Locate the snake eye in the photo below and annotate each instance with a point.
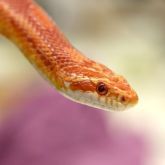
(123, 99)
(101, 89)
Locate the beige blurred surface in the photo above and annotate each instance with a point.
(128, 36)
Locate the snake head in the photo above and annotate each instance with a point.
(115, 93)
(102, 89)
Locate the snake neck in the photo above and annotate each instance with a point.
(40, 40)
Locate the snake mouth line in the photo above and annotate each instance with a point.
(89, 98)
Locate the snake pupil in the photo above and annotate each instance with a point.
(102, 89)
(123, 99)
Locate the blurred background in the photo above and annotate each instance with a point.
(126, 35)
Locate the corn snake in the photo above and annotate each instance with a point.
(72, 73)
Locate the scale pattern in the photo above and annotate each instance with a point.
(73, 74)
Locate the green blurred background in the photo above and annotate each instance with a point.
(126, 35)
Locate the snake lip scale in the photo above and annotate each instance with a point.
(72, 73)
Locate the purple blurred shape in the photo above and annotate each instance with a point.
(51, 130)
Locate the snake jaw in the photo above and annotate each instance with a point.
(92, 99)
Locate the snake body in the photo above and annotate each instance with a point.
(72, 73)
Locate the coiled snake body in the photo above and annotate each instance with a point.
(72, 73)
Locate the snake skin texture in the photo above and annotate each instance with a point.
(73, 74)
